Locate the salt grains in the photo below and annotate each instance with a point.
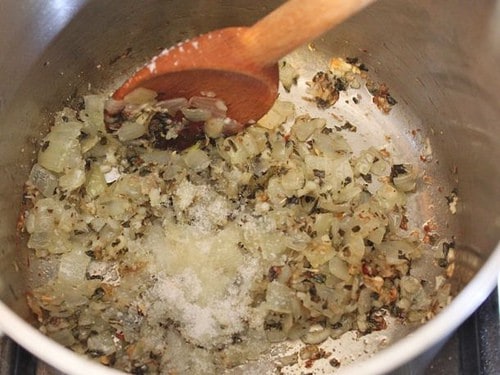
(207, 323)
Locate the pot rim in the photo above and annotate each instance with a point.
(395, 355)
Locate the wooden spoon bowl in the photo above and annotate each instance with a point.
(210, 63)
(239, 64)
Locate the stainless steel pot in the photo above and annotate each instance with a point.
(440, 58)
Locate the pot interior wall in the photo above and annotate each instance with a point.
(439, 59)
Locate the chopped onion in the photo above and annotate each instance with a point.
(173, 105)
(93, 114)
(354, 249)
(64, 337)
(339, 268)
(279, 297)
(304, 127)
(288, 75)
(292, 181)
(73, 266)
(232, 127)
(102, 343)
(279, 113)
(316, 336)
(221, 249)
(196, 159)
(130, 130)
(44, 181)
(406, 181)
(319, 253)
(61, 148)
(95, 184)
(196, 114)
(214, 127)
(140, 96)
(72, 179)
(214, 106)
(113, 107)
(388, 197)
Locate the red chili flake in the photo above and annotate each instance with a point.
(385, 153)
(367, 269)
(318, 353)
(404, 223)
(378, 321)
(429, 226)
(427, 179)
(273, 273)
(309, 363)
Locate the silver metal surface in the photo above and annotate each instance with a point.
(440, 60)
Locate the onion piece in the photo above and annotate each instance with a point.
(96, 183)
(173, 105)
(140, 96)
(279, 113)
(304, 127)
(72, 179)
(130, 130)
(113, 107)
(93, 114)
(339, 268)
(73, 266)
(279, 297)
(215, 106)
(288, 75)
(102, 343)
(406, 181)
(232, 127)
(61, 148)
(196, 159)
(196, 114)
(214, 127)
(44, 181)
(316, 336)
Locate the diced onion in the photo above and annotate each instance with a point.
(288, 75)
(130, 130)
(214, 127)
(95, 184)
(304, 127)
(317, 336)
(72, 179)
(196, 114)
(279, 297)
(173, 105)
(202, 259)
(45, 181)
(196, 159)
(214, 106)
(279, 113)
(140, 96)
(405, 182)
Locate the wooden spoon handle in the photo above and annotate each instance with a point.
(293, 24)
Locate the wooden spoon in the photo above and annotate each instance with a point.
(239, 64)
